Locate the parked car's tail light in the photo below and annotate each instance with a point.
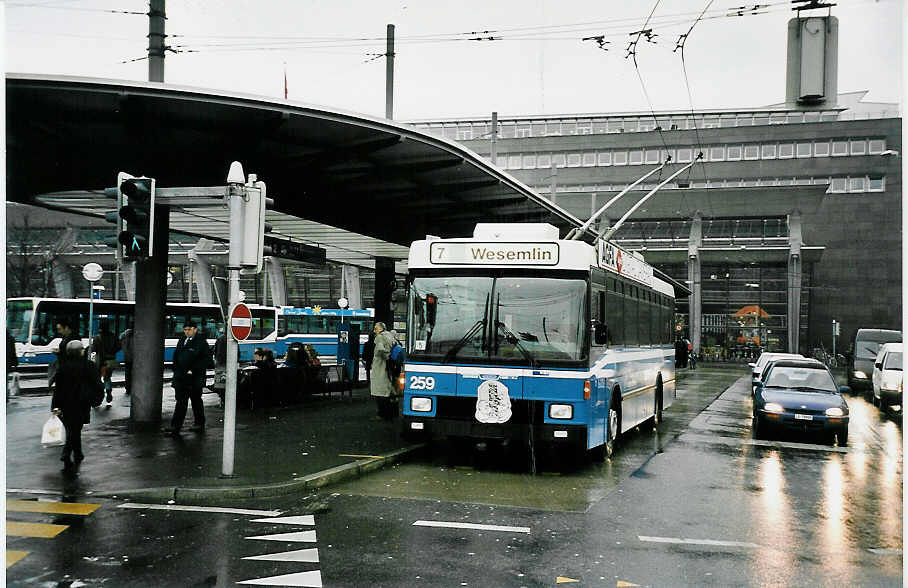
(835, 411)
(773, 407)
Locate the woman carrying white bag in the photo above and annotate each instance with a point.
(78, 386)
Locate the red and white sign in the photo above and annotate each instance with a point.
(240, 321)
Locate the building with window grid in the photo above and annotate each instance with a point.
(822, 181)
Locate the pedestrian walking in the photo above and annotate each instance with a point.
(69, 402)
(64, 327)
(127, 342)
(12, 362)
(220, 366)
(106, 345)
(381, 387)
(191, 359)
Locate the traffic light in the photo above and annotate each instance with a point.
(134, 215)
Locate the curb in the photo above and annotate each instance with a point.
(320, 479)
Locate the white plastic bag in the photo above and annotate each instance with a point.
(12, 384)
(53, 433)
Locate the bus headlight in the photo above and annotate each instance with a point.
(561, 411)
(421, 404)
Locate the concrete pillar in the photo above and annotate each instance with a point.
(384, 286)
(64, 287)
(795, 240)
(695, 241)
(151, 296)
(128, 274)
(277, 281)
(200, 273)
(350, 286)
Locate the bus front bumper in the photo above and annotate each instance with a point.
(426, 428)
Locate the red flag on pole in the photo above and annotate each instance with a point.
(285, 82)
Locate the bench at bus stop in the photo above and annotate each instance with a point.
(285, 385)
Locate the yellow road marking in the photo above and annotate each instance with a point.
(14, 556)
(41, 530)
(359, 456)
(623, 584)
(562, 580)
(73, 508)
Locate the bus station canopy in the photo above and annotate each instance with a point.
(356, 185)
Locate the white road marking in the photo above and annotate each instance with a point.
(307, 555)
(300, 520)
(454, 525)
(311, 579)
(886, 551)
(242, 511)
(302, 537)
(696, 541)
(31, 491)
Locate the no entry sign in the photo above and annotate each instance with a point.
(240, 321)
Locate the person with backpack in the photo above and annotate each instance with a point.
(381, 387)
(78, 388)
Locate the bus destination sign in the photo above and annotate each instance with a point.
(493, 253)
(625, 263)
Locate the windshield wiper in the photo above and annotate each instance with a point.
(512, 338)
(452, 352)
(813, 388)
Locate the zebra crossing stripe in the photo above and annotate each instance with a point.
(72, 508)
(311, 579)
(304, 555)
(39, 530)
(301, 537)
(300, 520)
(14, 556)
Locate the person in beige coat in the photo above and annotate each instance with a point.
(380, 385)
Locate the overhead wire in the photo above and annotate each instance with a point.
(680, 45)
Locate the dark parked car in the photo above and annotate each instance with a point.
(800, 396)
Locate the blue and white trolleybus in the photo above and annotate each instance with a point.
(515, 334)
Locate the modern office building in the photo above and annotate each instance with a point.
(789, 219)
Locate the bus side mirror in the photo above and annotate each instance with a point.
(600, 333)
(431, 308)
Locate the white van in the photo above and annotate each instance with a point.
(887, 377)
(867, 344)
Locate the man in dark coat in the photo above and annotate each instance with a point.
(191, 359)
(68, 401)
(368, 354)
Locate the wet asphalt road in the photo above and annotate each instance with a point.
(697, 502)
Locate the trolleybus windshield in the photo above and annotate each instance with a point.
(498, 319)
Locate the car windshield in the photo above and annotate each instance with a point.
(488, 319)
(801, 378)
(893, 361)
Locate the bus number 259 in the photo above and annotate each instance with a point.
(422, 383)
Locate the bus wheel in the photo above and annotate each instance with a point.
(614, 424)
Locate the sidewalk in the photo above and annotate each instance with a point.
(278, 450)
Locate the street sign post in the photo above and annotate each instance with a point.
(240, 321)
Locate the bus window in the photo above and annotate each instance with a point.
(18, 317)
(614, 313)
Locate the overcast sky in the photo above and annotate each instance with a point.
(535, 63)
